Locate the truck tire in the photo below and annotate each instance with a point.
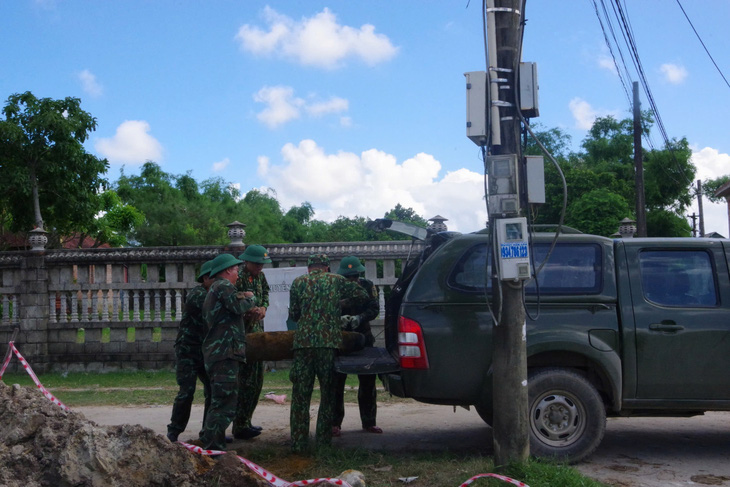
(567, 418)
(485, 412)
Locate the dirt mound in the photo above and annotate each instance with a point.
(42, 445)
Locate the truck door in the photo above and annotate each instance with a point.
(681, 311)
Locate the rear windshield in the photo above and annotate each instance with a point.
(573, 268)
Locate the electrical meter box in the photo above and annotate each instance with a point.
(535, 176)
(503, 184)
(528, 90)
(514, 253)
(476, 107)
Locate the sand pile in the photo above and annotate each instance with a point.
(42, 445)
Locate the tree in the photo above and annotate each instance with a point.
(598, 212)
(117, 221)
(710, 187)
(176, 211)
(407, 215)
(603, 174)
(44, 165)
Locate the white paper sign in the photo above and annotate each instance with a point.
(279, 283)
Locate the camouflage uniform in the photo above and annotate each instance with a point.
(224, 348)
(314, 303)
(366, 393)
(189, 361)
(250, 375)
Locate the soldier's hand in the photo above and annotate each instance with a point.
(349, 322)
(244, 294)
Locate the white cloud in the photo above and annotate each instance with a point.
(221, 165)
(583, 113)
(711, 164)
(132, 144)
(235, 188)
(346, 121)
(674, 73)
(372, 183)
(606, 62)
(315, 41)
(283, 106)
(333, 105)
(263, 166)
(89, 84)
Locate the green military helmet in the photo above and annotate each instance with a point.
(318, 259)
(256, 254)
(223, 262)
(204, 270)
(349, 266)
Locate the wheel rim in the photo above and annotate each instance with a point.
(557, 419)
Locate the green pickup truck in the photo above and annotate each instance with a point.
(633, 327)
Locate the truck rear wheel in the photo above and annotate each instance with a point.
(566, 414)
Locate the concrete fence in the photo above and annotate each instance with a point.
(111, 309)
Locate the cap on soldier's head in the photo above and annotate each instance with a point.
(256, 254)
(204, 270)
(318, 259)
(223, 262)
(350, 266)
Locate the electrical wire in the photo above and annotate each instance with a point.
(703, 44)
(620, 14)
(490, 227)
(540, 144)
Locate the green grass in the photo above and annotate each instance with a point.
(151, 388)
(433, 469)
(381, 468)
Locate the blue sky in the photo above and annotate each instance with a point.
(352, 106)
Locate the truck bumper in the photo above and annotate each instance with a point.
(394, 384)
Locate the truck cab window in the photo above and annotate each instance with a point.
(573, 268)
(679, 278)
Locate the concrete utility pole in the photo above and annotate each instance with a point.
(509, 360)
(639, 167)
(699, 207)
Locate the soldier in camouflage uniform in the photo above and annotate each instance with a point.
(224, 347)
(189, 356)
(357, 318)
(251, 374)
(315, 303)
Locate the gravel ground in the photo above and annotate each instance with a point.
(636, 452)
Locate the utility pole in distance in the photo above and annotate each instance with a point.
(509, 351)
(639, 167)
(699, 207)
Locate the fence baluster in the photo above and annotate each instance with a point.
(84, 305)
(178, 304)
(168, 304)
(52, 307)
(136, 316)
(158, 305)
(64, 317)
(74, 305)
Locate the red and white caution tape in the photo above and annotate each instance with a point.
(32, 375)
(265, 474)
(8, 356)
(262, 472)
(495, 476)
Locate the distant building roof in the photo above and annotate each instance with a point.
(723, 191)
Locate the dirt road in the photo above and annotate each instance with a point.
(636, 452)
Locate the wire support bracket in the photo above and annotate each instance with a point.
(503, 9)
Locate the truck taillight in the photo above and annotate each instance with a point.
(411, 349)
